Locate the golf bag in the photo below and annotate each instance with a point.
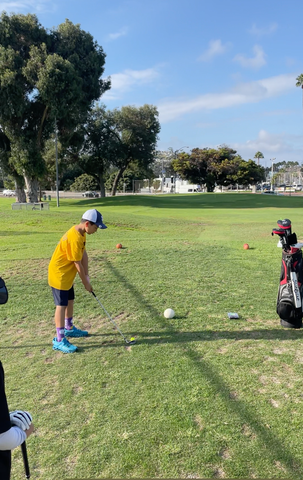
(3, 292)
(290, 292)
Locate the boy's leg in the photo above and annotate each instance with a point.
(70, 329)
(60, 342)
(69, 311)
(59, 321)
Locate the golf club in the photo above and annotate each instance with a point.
(25, 460)
(129, 342)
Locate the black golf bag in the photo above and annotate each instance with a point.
(3, 292)
(290, 293)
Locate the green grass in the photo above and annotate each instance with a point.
(198, 395)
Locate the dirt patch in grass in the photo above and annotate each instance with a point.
(233, 396)
(36, 269)
(225, 453)
(222, 350)
(49, 360)
(280, 351)
(219, 473)
(77, 389)
(280, 466)
(248, 432)
(198, 421)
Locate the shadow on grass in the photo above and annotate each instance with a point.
(198, 200)
(159, 337)
(275, 448)
(154, 337)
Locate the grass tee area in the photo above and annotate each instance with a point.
(198, 395)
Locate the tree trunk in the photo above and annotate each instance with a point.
(19, 188)
(102, 186)
(116, 181)
(32, 186)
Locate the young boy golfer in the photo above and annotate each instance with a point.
(68, 259)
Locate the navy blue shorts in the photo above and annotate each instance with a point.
(61, 297)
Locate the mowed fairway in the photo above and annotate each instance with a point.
(198, 395)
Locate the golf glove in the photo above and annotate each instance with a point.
(21, 419)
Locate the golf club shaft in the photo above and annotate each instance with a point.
(116, 326)
(25, 460)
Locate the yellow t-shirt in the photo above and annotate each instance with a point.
(61, 269)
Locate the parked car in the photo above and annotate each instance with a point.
(9, 193)
(90, 194)
(270, 192)
(298, 187)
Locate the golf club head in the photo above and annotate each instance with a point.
(131, 342)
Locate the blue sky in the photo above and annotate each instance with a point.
(219, 72)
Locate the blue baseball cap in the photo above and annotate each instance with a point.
(95, 217)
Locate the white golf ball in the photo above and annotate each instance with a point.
(169, 313)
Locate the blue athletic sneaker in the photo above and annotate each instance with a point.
(64, 346)
(75, 332)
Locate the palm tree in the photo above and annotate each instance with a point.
(299, 81)
(259, 155)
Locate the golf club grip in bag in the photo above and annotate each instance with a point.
(25, 460)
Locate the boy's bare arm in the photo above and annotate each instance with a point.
(83, 276)
(85, 262)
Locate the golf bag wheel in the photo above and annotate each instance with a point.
(286, 324)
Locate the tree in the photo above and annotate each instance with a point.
(299, 82)
(208, 166)
(193, 166)
(7, 167)
(248, 173)
(135, 133)
(45, 76)
(222, 166)
(259, 155)
(100, 145)
(84, 182)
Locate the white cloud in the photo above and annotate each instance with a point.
(33, 6)
(251, 92)
(261, 31)
(255, 62)
(280, 146)
(215, 48)
(121, 33)
(122, 82)
(266, 141)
